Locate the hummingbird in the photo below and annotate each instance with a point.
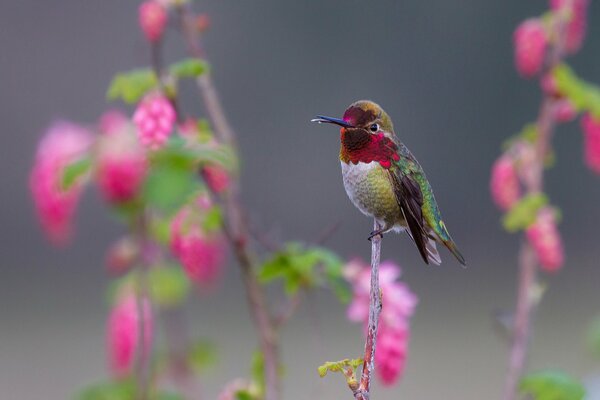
(385, 181)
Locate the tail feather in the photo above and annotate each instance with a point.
(454, 250)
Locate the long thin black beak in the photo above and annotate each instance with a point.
(329, 120)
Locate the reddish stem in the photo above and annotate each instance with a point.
(527, 259)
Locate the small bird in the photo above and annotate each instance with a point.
(385, 181)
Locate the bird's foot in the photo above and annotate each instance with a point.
(375, 233)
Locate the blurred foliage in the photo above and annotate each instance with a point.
(583, 95)
(188, 68)
(168, 286)
(131, 86)
(593, 337)
(524, 213)
(202, 355)
(299, 267)
(551, 385)
(120, 390)
(75, 171)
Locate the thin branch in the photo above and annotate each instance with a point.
(235, 224)
(527, 259)
(143, 351)
(364, 389)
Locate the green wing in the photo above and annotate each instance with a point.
(417, 202)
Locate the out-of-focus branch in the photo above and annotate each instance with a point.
(527, 260)
(364, 389)
(235, 225)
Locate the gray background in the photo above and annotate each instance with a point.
(442, 69)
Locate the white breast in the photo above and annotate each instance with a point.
(356, 183)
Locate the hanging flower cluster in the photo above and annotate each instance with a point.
(399, 304)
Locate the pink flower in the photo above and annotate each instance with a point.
(530, 47)
(504, 183)
(564, 111)
(154, 119)
(153, 19)
(63, 144)
(548, 85)
(202, 253)
(577, 24)
(545, 240)
(123, 334)
(398, 306)
(591, 131)
(121, 164)
(216, 177)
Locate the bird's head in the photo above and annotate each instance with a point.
(364, 116)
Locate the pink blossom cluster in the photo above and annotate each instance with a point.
(591, 139)
(545, 239)
(399, 304)
(201, 252)
(577, 25)
(122, 335)
(121, 163)
(154, 118)
(64, 143)
(504, 183)
(153, 19)
(530, 43)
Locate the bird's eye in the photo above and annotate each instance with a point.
(374, 127)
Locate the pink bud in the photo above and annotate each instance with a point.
(591, 131)
(577, 25)
(153, 19)
(63, 144)
(530, 47)
(123, 334)
(564, 111)
(201, 253)
(545, 240)
(216, 177)
(154, 118)
(548, 85)
(504, 184)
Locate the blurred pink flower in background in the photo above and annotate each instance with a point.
(122, 255)
(398, 306)
(154, 118)
(121, 164)
(591, 141)
(123, 334)
(202, 253)
(564, 111)
(216, 177)
(545, 239)
(153, 19)
(530, 42)
(504, 183)
(577, 26)
(63, 144)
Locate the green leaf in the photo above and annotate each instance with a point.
(131, 86)
(524, 213)
(118, 390)
(169, 286)
(593, 337)
(74, 171)
(202, 355)
(583, 95)
(168, 187)
(213, 219)
(301, 267)
(339, 366)
(188, 68)
(258, 370)
(551, 385)
(244, 395)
